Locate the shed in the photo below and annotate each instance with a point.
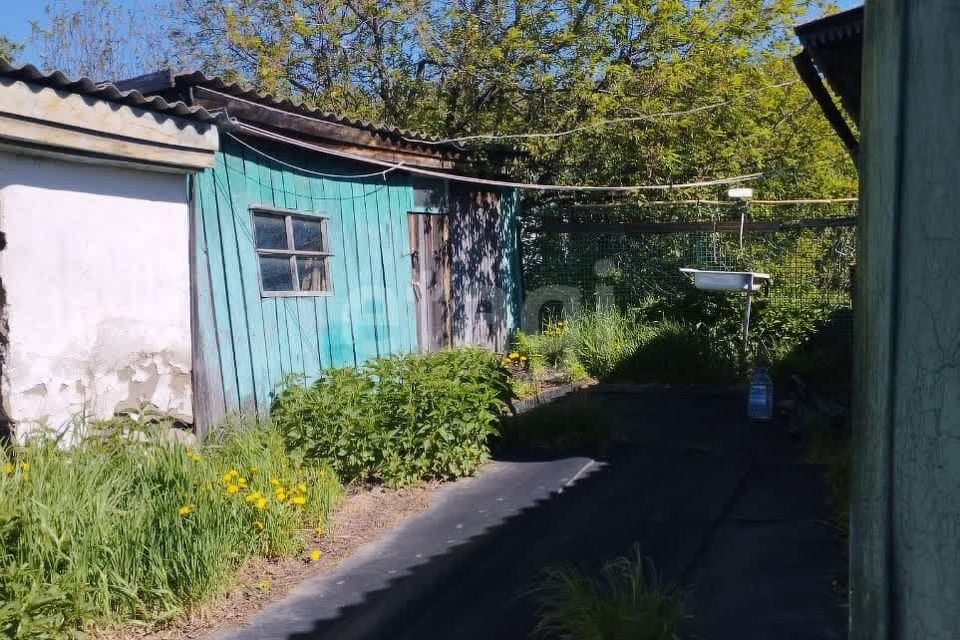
(322, 241)
(94, 257)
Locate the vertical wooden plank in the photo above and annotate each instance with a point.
(365, 328)
(291, 306)
(376, 188)
(284, 347)
(328, 308)
(210, 209)
(268, 305)
(310, 327)
(207, 378)
(387, 268)
(347, 270)
(400, 263)
(244, 190)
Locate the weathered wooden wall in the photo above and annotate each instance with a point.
(905, 547)
(261, 340)
(251, 343)
(485, 266)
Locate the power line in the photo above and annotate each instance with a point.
(599, 123)
(483, 181)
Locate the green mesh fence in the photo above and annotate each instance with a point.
(583, 255)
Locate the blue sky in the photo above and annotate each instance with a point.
(18, 14)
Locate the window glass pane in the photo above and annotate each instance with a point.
(275, 273)
(428, 194)
(270, 232)
(307, 235)
(313, 274)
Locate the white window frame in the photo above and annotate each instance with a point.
(288, 216)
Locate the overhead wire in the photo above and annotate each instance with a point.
(270, 135)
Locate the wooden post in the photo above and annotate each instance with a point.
(905, 545)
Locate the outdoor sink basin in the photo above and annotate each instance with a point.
(727, 280)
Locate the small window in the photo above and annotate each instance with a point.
(429, 194)
(293, 251)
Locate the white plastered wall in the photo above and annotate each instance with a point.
(95, 274)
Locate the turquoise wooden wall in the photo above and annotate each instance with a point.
(247, 344)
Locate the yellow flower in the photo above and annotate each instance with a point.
(314, 555)
(274, 482)
(258, 524)
(514, 355)
(262, 503)
(227, 477)
(242, 483)
(232, 488)
(185, 510)
(523, 358)
(253, 497)
(301, 487)
(318, 531)
(25, 466)
(281, 496)
(298, 500)
(8, 468)
(265, 585)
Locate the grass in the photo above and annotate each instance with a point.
(831, 448)
(610, 346)
(623, 601)
(113, 530)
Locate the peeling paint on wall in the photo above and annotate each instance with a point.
(96, 276)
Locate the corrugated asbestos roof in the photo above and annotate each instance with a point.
(215, 83)
(832, 28)
(107, 92)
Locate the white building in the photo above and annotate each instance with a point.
(94, 253)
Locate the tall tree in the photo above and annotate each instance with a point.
(103, 39)
(519, 66)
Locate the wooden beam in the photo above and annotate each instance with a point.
(808, 73)
(722, 226)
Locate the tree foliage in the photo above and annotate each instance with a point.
(102, 39)
(518, 66)
(467, 67)
(9, 49)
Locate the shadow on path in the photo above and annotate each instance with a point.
(682, 485)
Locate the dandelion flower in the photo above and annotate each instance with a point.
(185, 510)
(298, 500)
(514, 355)
(314, 555)
(274, 482)
(8, 468)
(318, 531)
(258, 524)
(227, 477)
(242, 483)
(232, 488)
(280, 496)
(25, 466)
(301, 487)
(262, 503)
(265, 585)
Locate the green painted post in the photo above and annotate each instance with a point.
(905, 527)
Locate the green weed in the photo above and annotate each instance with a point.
(112, 530)
(624, 601)
(399, 419)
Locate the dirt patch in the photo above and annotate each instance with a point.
(364, 515)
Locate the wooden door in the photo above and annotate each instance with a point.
(430, 259)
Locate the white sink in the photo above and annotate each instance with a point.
(727, 280)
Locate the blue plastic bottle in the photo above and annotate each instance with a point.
(760, 397)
